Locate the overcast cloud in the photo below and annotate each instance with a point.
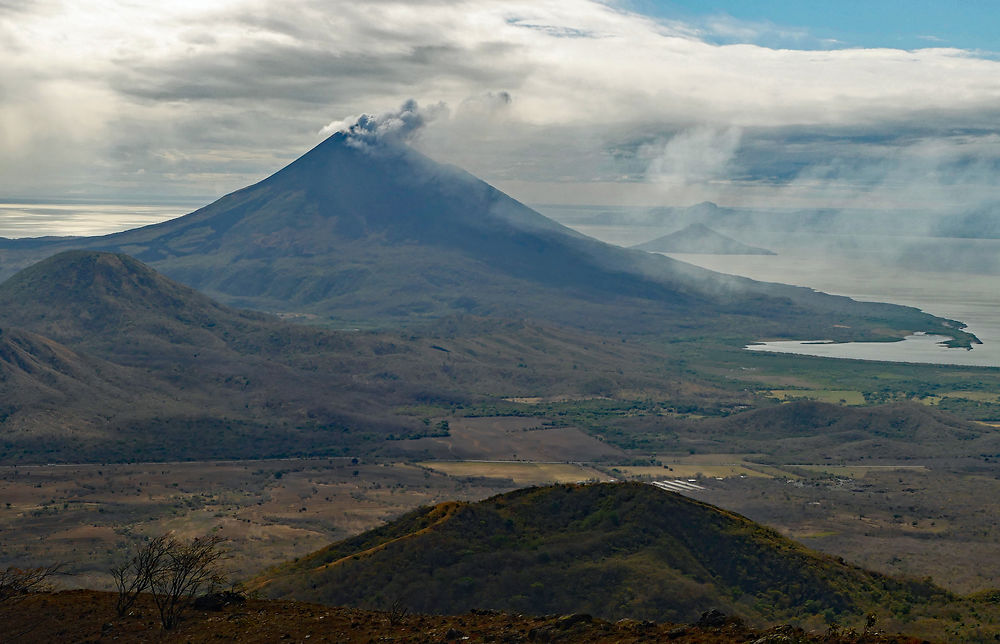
(558, 102)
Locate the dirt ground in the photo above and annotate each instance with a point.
(88, 616)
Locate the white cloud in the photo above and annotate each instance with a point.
(693, 156)
(544, 91)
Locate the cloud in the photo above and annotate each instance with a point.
(695, 156)
(555, 93)
(724, 28)
(933, 173)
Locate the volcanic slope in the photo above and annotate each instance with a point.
(382, 235)
(613, 550)
(40, 383)
(699, 238)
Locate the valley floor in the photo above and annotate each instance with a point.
(902, 520)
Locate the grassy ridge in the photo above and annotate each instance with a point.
(615, 550)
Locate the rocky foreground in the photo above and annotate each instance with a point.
(89, 616)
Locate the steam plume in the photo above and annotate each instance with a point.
(389, 128)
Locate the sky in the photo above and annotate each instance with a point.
(775, 103)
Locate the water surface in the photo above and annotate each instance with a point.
(80, 219)
(860, 267)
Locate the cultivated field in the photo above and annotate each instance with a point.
(841, 396)
(686, 470)
(523, 474)
(506, 438)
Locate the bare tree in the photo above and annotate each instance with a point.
(136, 575)
(18, 583)
(187, 568)
(172, 571)
(15, 585)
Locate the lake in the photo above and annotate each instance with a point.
(860, 273)
(84, 219)
(972, 299)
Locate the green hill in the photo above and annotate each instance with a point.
(613, 550)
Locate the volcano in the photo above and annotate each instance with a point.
(381, 235)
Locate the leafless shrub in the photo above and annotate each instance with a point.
(173, 572)
(18, 583)
(136, 575)
(189, 567)
(397, 611)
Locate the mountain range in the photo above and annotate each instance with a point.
(383, 236)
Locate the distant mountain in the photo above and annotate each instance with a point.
(699, 238)
(612, 550)
(385, 236)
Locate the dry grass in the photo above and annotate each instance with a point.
(269, 511)
(912, 522)
(705, 465)
(88, 616)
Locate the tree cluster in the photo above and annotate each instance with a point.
(172, 571)
(18, 583)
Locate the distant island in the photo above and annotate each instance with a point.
(699, 238)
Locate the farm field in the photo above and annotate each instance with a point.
(506, 438)
(978, 396)
(836, 396)
(686, 470)
(857, 471)
(523, 474)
